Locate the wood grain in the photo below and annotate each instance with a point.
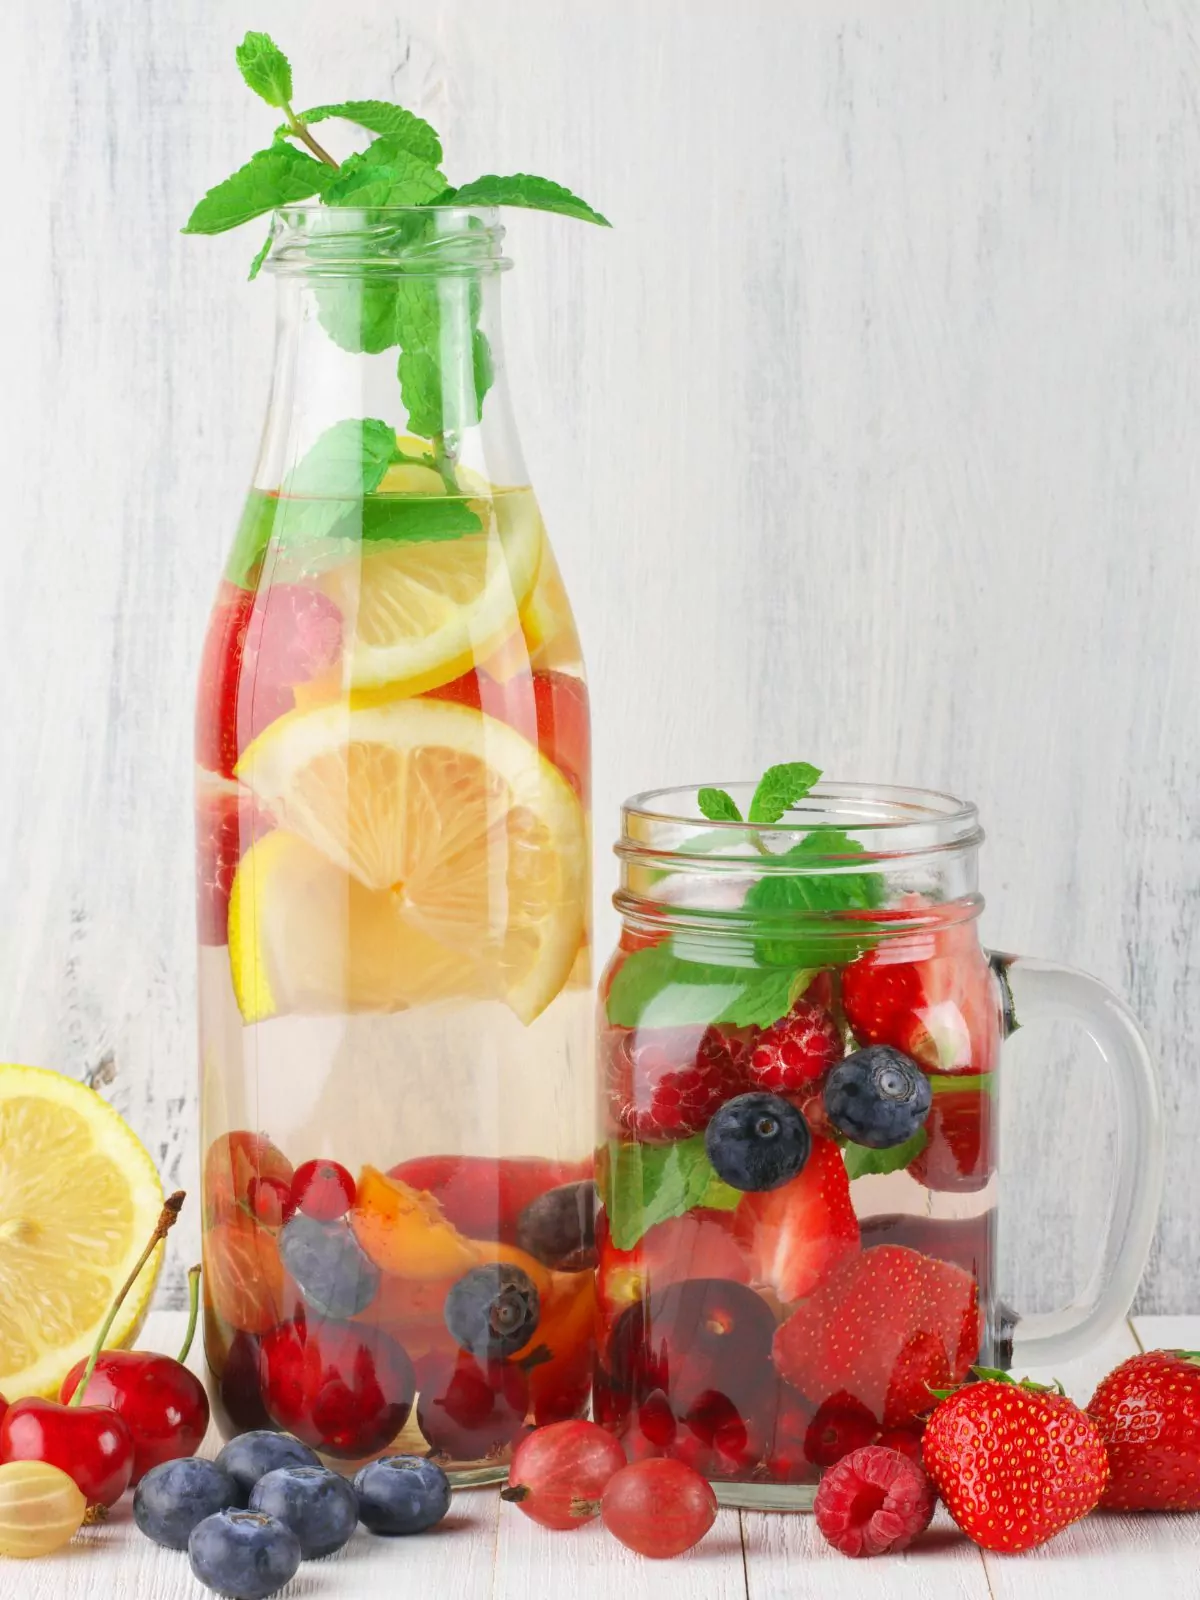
(867, 435)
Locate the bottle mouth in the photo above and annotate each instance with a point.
(386, 241)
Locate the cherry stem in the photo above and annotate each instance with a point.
(167, 1218)
(193, 1312)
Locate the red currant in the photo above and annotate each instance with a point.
(558, 1473)
(323, 1190)
(659, 1508)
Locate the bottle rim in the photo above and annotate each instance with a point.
(385, 241)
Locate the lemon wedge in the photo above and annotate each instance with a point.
(426, 852)
(79, 1197)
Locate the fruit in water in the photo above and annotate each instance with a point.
(323, 1190)
(558, 1228)
(328, 1266)
(787, 1459)
(560, 1360)
(470, 1410)
(318, 1506)
(238, 1393)
(700, 1244)
(965, 1241)
(92, 1444)
(484, 1196)
(757, 1142)
(41, 1509)
(163, 1405)
(878, 1097)
(705, 1344)
(794, 1051)
(558, 1473)
(404, 1231)
(345, 1389)
(549, 708)
(665, 1083)
(1014, 1465)
(233, 1164)
(370, 901)
(930, 994)
(400, 1495)
(177, 1495)
(1148, 1414)
(251, 1456)
(243, 1553)
(660, 1508)
(227, 824)
(493, 1310)
(717, 1440)
(886, 1327)
(840, 1424)
(79, 1195)
(243, 1273)
(956, 1158)
(874, 1502)
(269, 1201)
(795, 1236)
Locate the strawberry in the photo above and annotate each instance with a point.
(549, 708)
(227, 823)
(795, 1051)
(1015, 1463)
(886, 1327)
(957, 1155)
(929, 993)
(796, 1235)
(1148, 1414)
(665, 1083)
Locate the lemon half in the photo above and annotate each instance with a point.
(79, 1198)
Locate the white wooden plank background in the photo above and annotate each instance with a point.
(488, 1551)
(868, 435)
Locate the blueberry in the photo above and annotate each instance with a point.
(243, 1555)
(174, 1496)
(493, 1311)
(558, 1228)
(330, 1269)
(757, 1141)
(318, 1506)
(252, 1455)
(401, 1494)
(877, 1097)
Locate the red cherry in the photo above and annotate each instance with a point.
(163, 1405)
(345, 1389)
(469, 1411)
(323, 1190)
(270, 1201)
(559, 1473)
(91, 1444)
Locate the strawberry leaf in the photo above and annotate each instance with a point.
(645, 1184)
(779, 789)
(718, 806)
(862, 1162)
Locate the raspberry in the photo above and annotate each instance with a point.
(663, 1085)
(873, 1501)
(795, 1050)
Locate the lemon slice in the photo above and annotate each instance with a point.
(427, 852)
(421, 611)
(79, 1197)
(547, 622)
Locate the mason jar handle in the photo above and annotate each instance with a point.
(1041, 991)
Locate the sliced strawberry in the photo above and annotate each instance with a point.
(228, 822)
(795, 1236)
(957, 1156)
(549, 708)
(887, 1326)
(483, 1196)
(929, 993)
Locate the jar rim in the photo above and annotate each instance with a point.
(340, 241)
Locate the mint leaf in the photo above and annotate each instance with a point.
(655, 989)
(646, 1184)
(416, 518)
(410, 132)
(252, 539)
(718, 806)
(271, 178)
(385, 174)
(445, 364)
(807, 898)
(862, 1161)
(274, 519)
(523, 189)
(263, 252)
(265, 68)
(780, 788)
(348, 460)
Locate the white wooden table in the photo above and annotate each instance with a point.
(488, 1551)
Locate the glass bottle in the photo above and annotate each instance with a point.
(393, 879)
(800, 1058)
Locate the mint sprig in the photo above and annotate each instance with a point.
(779, 789)
(655, 988)
(280, 176)
(411, 132)
(265, 68)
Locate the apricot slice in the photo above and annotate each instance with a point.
(405, 1233)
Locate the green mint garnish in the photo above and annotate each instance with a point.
(265, 68)
(386, 173)
(524, 190)
(347, 461)
(811, 896)
(862, 1162)
(645, 1184)
(410, 132)
(654, 988)
(280, 176)
(779, 789)
(718, 806)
